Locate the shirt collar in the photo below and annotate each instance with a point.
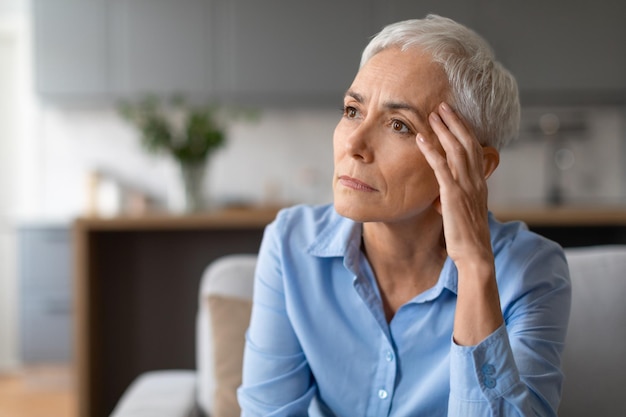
(341, 237)
(337, 236)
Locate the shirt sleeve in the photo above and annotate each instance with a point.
(276, 378)
(516, 371)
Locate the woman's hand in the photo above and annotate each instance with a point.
(462, 166)
(460, 171)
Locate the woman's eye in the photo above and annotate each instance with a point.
(350, 112)
(399, 127)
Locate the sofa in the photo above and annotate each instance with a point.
(594, 361)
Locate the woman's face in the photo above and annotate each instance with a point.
(380, 173)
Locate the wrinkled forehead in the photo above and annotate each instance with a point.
(404, 75)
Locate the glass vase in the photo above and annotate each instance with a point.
(193, 180)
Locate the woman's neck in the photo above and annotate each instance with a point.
(406, 259)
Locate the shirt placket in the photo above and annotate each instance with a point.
(385, 378)
(383, 384)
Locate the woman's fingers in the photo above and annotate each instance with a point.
(455, 153)
(455, 125)
(437, 162)
(463, 152)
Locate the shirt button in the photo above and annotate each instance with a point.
(488, 369)
(382, 394)
(389, 356)
(490, 382)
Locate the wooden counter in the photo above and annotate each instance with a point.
(224, 219)
(572, 226)
(137, 284)
(136, 293)
(564, 216)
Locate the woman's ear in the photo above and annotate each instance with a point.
(491, 160)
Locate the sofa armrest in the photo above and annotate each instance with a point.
(169, 393)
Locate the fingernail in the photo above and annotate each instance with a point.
(445, 107)
(435, 117)
(421, 138)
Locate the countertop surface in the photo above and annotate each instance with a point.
(221, 218)
(261, 216)
(564, 215)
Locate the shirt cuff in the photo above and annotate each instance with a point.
(485, 371)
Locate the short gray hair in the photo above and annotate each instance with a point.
(483, 92)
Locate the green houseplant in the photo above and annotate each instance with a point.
(189, 134)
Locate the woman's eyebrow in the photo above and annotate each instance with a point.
(358, 97)
(399, 105)
(390, 105)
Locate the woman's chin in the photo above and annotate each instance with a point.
(357, 212)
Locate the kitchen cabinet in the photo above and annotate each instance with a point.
(45, 293)
(159, 46)
(70, 48)
(245, 52)
(286, 53)
(99, 50)
(560, 51)
(281, 52)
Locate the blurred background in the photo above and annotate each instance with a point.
(65, 152)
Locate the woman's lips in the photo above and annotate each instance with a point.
(355, 184)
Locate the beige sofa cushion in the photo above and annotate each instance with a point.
(229, 317)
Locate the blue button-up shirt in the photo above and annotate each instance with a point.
(319, 344)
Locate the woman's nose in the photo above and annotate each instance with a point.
(359, 143)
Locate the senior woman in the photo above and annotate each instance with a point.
(406, 297)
